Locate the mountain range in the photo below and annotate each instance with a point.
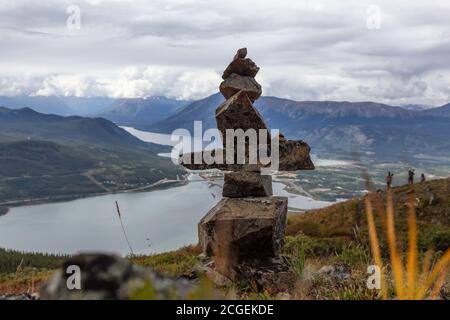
(334, 127)
(142, 112)
(130, 111)
(63, 106)
(337, 127)
(443, 111)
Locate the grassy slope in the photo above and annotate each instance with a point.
(337, 223)
(330, 235)
(19, 271)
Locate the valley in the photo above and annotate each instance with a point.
(60, 177)
(331, 183)
(50, 158)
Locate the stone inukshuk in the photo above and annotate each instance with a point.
(245, 231)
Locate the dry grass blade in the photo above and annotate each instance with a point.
(407, 285)
(380, 211)
(123, 229)
(412, 248)
(438, 285)
(426, 265)
(440, 269)
(374, 244)
(396, 261)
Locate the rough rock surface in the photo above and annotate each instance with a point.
(274, 275)
(247, 184)
(243, 67)
(235, 83)
(237, 229)
(337, 272)
(238, 113)
(24, 296)
(207, 268)
(294, 155)
(240, 54)
(111, 277)
(187, 161)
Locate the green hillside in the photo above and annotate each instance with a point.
(48, 157)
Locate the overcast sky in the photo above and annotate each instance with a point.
(395, 52)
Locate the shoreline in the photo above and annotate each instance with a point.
(162, 184)
(3, 210)
(159, 185)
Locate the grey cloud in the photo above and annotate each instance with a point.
(307, 49)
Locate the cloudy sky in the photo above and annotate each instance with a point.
(395, 52)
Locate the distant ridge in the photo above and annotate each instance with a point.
(335, 126)
(443, 111)
(25, 123)
(63, 106)
(141, 112)
(50, 104)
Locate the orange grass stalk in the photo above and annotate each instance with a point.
(411, 267)
(396, 261)
(440, 269)
(426, 268)
(375, 247)
(416, 287)
(438, 285)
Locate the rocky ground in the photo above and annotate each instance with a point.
(24, 296)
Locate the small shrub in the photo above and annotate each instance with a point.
(298, 262)
(353, 255)
(10, 260)
(310, 228)
(312, 246)
(175, 263)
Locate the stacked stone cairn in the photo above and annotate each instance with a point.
(244, 233)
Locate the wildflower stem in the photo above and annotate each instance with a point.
(123, 228)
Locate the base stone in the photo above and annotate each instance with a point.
(247, 184)
(271, 275)
(240, 229)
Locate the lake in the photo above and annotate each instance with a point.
(155, 221)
